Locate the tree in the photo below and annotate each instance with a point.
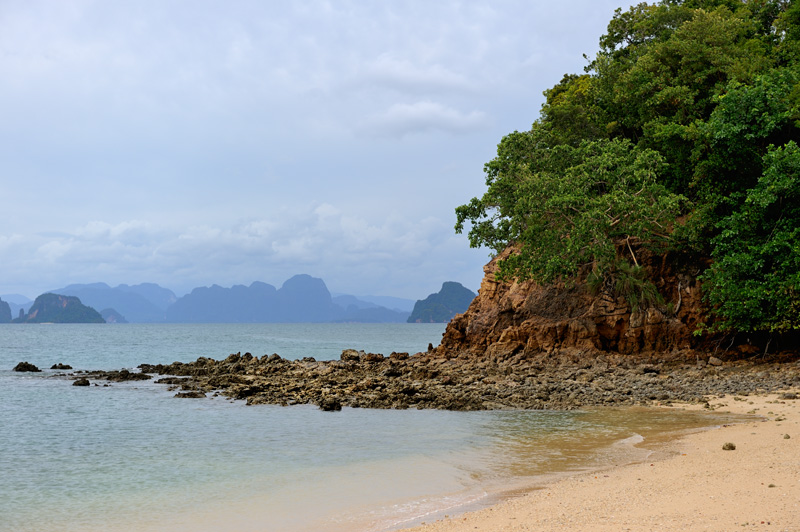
(566, 207)
(754, 282)
(680, 134)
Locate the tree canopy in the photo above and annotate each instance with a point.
(682, 134)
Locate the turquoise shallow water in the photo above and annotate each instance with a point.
(131, 457)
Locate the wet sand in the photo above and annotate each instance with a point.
(694, 484)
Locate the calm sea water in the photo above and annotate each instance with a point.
(131, 457)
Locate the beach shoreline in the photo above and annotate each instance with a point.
(690, 483)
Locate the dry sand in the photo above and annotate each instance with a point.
(696, 486)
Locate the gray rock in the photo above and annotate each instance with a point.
(26, 366)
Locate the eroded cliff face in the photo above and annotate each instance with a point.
(509, 318)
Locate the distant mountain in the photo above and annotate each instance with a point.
(395, 303)
(17, 302)
(348, 301)
(157, 295)
(143, 303)
(373, 315)
(440, 307)
(215, 304)
(305, 299)
(18, 299)
(112, 316)
(301, 299)
(57, 308)
(5, 312)
(359, 311)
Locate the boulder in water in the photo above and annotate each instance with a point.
(330, 404)
(26, 366)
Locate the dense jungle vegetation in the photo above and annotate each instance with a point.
(681, 136)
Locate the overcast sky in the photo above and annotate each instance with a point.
(199, 142)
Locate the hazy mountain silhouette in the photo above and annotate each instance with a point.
(17, 302)
(144, 303)
(301, 299)
(398, 304)
(215, 304)
(5, 312)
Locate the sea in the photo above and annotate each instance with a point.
(131, 457)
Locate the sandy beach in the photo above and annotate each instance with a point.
(691, 483)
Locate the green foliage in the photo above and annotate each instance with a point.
(754, 282)
(676, 135)
(565, 207)
(632, 284)
(570, 112)
(658, 98)
(746, 120)
(625, 280)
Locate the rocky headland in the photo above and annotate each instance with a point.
(519, 345)
(523, 317)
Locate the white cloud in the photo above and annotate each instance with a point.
(403, 119)
(394, 256)
(54, 250)
(400, 73)
(222, 143)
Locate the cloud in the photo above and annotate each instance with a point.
(142, 141)
(393, 256)
(404, 75)
(402, 119)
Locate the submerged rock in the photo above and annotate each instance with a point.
(121, 375)
(83, 381)
(191, 395)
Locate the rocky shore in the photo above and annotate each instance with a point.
(519, 345)
(427, 380)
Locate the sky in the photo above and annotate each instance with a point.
(190, 143)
